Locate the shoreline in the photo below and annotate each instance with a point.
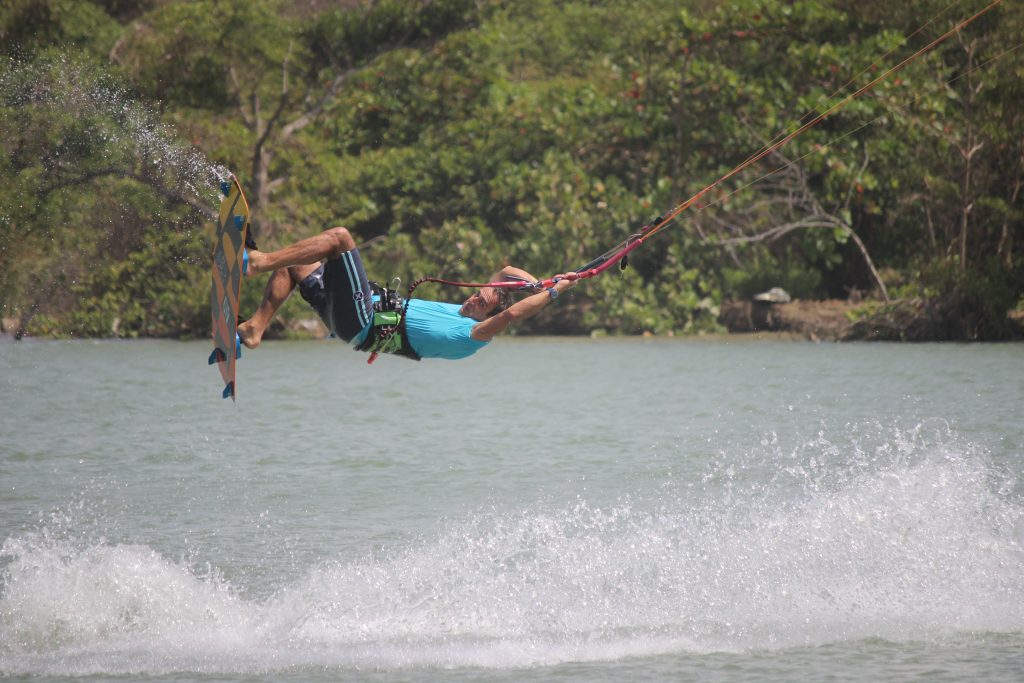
(758, 337)
(830, 320)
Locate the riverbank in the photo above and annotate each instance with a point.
(913, 320)
(826, 320)
(830, 320)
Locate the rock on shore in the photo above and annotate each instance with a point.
(828, 320)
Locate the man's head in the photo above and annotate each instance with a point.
(486, 302)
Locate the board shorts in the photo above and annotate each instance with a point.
(340, 293)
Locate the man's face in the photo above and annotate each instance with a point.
(480, 304)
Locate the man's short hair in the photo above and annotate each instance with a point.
(504, 301)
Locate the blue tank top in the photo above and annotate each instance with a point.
(436, 330)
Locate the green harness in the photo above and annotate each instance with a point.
(387, 333)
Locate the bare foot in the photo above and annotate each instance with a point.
(256, 261)
(249, 335)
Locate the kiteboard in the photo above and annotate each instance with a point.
(228, 267)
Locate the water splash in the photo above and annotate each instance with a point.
(118, 130)
(916, 536)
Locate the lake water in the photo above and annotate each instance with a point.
(549, 510)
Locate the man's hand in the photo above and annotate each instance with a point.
(562, 282)
(521, 310)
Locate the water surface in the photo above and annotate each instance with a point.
(566, 510)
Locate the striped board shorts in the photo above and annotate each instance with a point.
(340, 293)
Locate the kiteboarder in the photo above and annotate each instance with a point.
(330, 276)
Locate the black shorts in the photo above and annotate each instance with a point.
(340, 293)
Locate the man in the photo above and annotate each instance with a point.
(330, 276)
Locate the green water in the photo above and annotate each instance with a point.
(565, 510)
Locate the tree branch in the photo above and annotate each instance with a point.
(173, 196)
(311, 114)
(247, 118)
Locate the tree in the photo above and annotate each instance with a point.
(269, 74)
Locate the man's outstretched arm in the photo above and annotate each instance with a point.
(519, 311)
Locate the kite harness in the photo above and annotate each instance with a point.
(387, 332)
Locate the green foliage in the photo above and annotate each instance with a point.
(795, 277)
(84, 190)
(344, 37)
(156, 291)
(975, 301)
(460, 135)
(30, 25)
(193, 68)
(946, 302)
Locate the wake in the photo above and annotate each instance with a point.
(918, 539)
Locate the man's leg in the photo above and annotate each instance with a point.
(291, 265)
(279, 288)
(328, 244)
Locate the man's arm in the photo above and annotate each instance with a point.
(512, 273)
(517, 312)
